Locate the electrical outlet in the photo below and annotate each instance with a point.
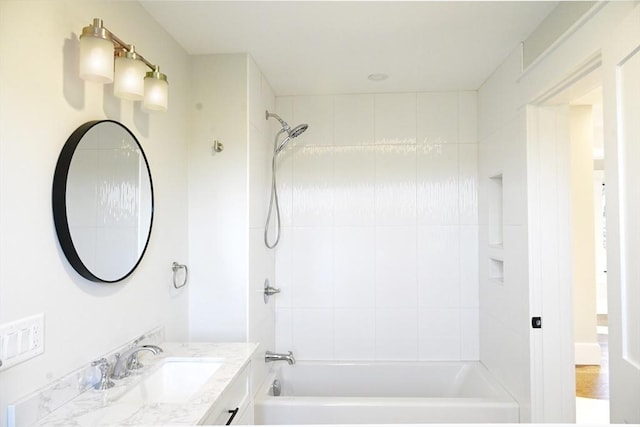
(21, 340)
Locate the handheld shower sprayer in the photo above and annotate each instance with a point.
(277, 148)
(291, 133)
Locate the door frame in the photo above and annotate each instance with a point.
(549, 208)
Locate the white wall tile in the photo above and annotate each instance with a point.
(317, 112)
(261, 268)
(354, 119)
(470, 334)
(354, 185)
(468, 117)
(312, 267)
(439, 267)
(381, 226)
(395, 185)
(313, 334)
(514, 167)
(354, 266)
(439, 334)
(469, 274)
(437, 184)
(313, 186)
(395, 118)
(284, 108)
(284, 181)
(354, 331)
(437, 115)
(468, 183)
(284, 269)
(284, 330)
(396, 271)
(516, 276)
(284, 162)
(396, 333)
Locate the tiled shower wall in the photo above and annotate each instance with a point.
(379, 254)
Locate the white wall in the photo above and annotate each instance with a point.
(378, 258)
(218, 200)
(42, 101)
(228, 196)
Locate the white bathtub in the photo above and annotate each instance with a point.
(384, 393)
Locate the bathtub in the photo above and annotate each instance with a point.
(383, 393)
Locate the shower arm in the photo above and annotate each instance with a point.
(285, 125)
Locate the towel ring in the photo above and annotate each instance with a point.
(176, 267)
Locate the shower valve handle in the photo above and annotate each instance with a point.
(271, 290)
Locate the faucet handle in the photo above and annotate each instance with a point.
(104, 366)
(134, 364)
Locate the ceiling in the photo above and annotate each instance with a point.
(320, 47)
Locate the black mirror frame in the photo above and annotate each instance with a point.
(59, 201)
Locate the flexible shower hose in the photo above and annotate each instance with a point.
(273, 199)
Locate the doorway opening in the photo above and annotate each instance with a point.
(564, 133)
(589, 260)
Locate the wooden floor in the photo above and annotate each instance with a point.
(593, 381)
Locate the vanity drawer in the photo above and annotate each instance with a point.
(234, 404)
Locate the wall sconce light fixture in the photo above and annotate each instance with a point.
(102, 52)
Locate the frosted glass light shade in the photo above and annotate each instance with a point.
(129, 78)
(96, 59)
(156, 92)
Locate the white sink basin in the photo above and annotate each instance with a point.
(176, 380)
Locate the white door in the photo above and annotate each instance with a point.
(548, 157)
(621, 90)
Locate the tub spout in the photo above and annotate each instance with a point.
(274, 357)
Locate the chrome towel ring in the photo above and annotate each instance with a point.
(177, 267)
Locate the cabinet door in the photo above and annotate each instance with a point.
(246, 419)
(227, 417)
(242, 415)
(234, 403)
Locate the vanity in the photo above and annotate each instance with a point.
(103, 208)
(187, 384)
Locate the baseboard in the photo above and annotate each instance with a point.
(587, 353)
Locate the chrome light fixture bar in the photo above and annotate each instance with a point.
(102, 52)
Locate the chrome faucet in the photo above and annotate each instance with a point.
(274, 357)
(134, 364)
(126, 359)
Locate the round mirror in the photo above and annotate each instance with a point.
(103, 201)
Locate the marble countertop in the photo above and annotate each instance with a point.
(102, 408)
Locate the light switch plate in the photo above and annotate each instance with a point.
(21, 340)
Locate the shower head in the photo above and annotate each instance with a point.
(296, 131)
(291, 133)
